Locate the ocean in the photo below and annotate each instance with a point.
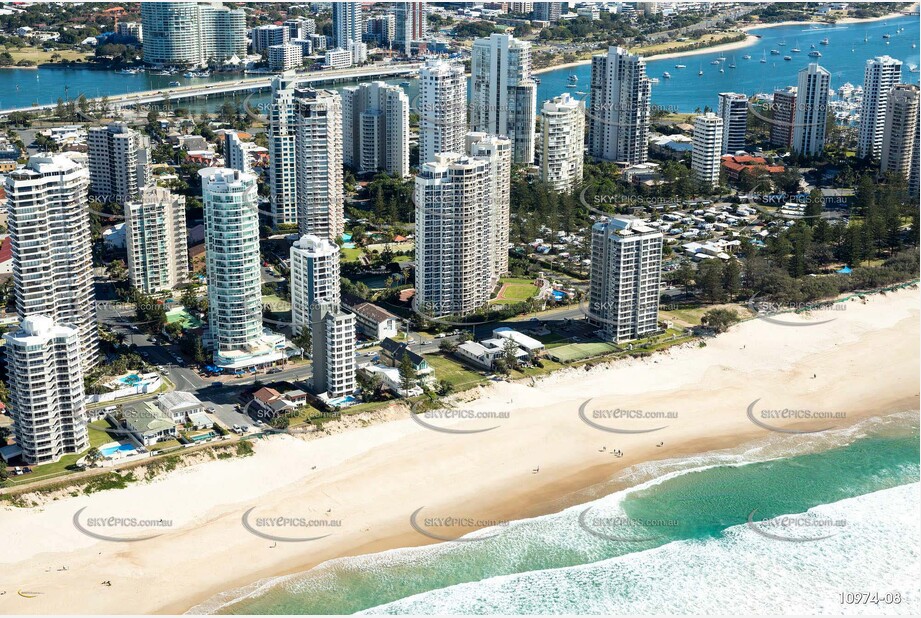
(786, 525)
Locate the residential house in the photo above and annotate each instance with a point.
(147, 423)
(180, 405)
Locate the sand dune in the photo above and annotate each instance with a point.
(865, 361)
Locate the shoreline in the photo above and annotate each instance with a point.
(735, 45)
(373, 477)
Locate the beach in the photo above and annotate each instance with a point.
(538, 458)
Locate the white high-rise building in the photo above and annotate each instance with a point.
(347, 26)
(190, 33)
(375, 127)
(619, 108)
(285, 57)
(314, 277)
(119, 162)
(562, 121)
(155, 234)
(232, 258)
(454, 241)
(503, 97)
(442, 109)
(899, 153)
(733, 109)
(236, 152)
(707, 148)
(409, 24)
(880, 75)
(332, 342)
(266, 36)
(318, 152)
(52, 254)
(811, 116)
(498, 149)
(47, 399)
(282, 137)
(300, 27)
(625, 274)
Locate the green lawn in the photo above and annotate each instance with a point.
(97, 436)
(351, 255)
(515, 289)
(578, 351)
(457, 374)
(276, 304)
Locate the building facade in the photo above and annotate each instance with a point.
(625, 275)
(498, 150)
(733, 110)
(189, 33)
(783, 116)
(318, 153)
(375, 127)
(347, 24)
(47, 399)
(503, 97)
(282, 138)
(51, 244)
(264, 37)
(707, 148)
(899, 152)
(232, 258)
(119, 162)
(811, 115)
(314, 277)
(285, 57)
(236, 153)
(880, 75)
(332, 350)
(409, 25)
(562, 144)
(442, 109)
(454, 241)
(619, 108)
(155, 234)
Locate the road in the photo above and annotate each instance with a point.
(221, 394)
(251, 84)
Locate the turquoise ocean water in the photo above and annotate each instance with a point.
(688, 535)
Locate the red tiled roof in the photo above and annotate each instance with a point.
(6, 250)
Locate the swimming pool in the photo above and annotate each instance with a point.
(341, 402)
(130, 379)
(108, 451)
(203, 436)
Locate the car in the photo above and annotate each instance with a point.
(274, 370)
(211, 409)
(236, 427)
(218, 384)
(244, 428)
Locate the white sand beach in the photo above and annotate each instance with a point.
(863, 362)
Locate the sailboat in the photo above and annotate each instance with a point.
(796, 48)
(732, 64)
(700, 71)
(747, 57)
(764, 58)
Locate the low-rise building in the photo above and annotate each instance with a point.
(147, 423)
(392, 353)
(372, 321)
(180, 405)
